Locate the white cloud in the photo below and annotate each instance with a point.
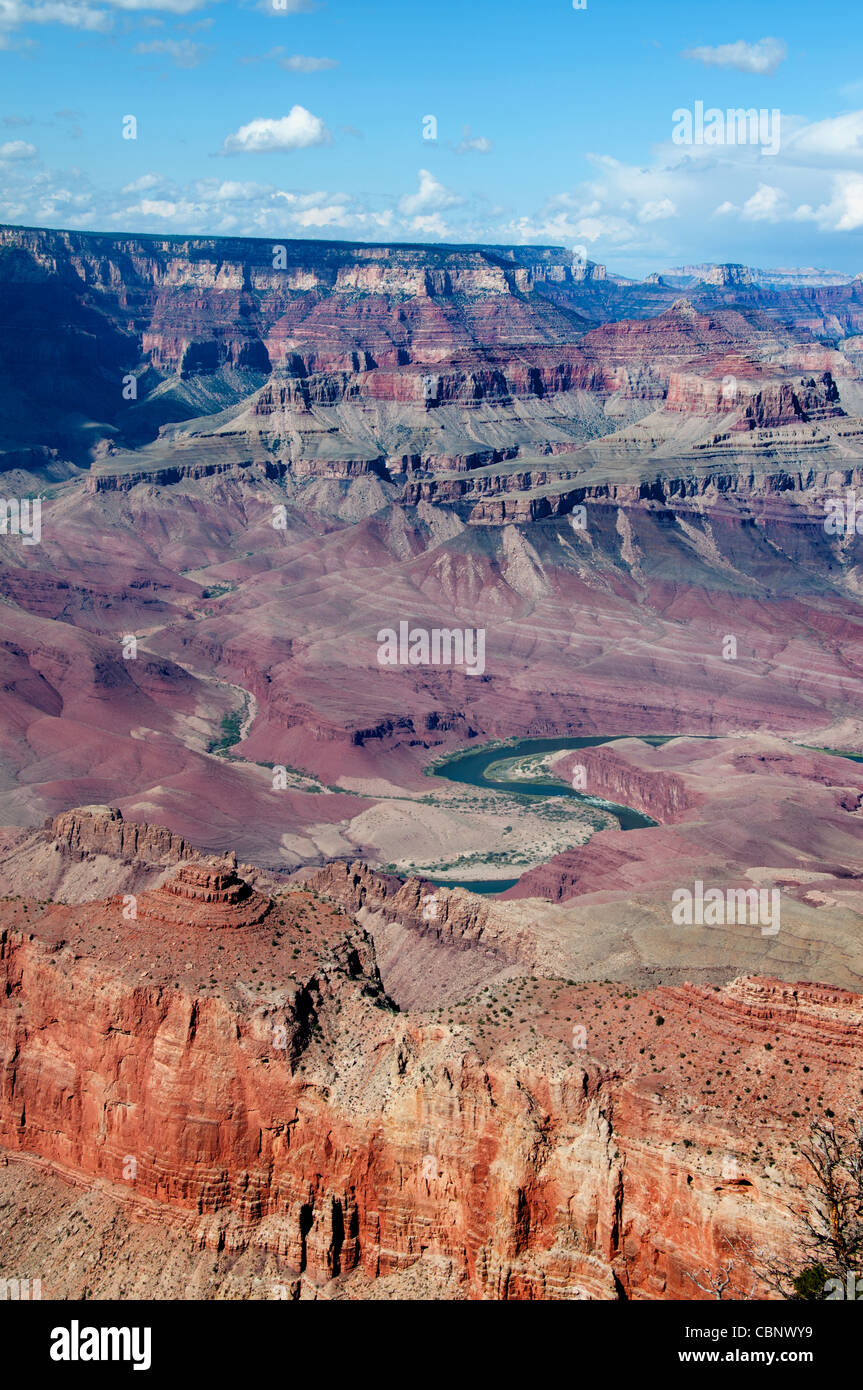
(471, 144)
(72, 14)
(432, 225)
(657, 210)
(840, 136)
(81, 14)
(18, 149)
(297, 62)
(84, 15)
(296, 131)
(183, 52)
(621, 205)
(141, 185)
(762, 57)
(767, 204)
(431, 196)
(308, 200)
(844, 212)
(229, 191)
(154, 207)
(616, 229)
(333, 216)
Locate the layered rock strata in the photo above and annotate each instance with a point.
(300, 1115)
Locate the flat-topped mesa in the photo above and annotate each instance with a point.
(728, 275)
(209, 894)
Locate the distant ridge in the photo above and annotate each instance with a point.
(717, 273)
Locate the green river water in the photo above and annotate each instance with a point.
(469, 768)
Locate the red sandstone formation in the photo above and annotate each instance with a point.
(93, 851)
(291, 1110)
(665, 796)
(207, 895)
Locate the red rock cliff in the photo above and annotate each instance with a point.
(258, 1085)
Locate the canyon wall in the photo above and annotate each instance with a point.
(290, 329)
(662, 795)
(311, 1120)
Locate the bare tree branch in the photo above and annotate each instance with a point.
(827, 1214)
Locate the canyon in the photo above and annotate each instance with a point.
(252, 1046)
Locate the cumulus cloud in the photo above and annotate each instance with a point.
(762, 57)
(622, 206)
(154, 207)
(296, 131)
(844, 211)
(81, 14)
(335, 215)
(767, 204)
(230, 191)
(143, 184)
(431, 226)
(431, 196)
(213, 206)
(838, 137)
(18, 149)
(73, 14)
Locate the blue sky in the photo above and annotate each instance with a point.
(553, 124)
